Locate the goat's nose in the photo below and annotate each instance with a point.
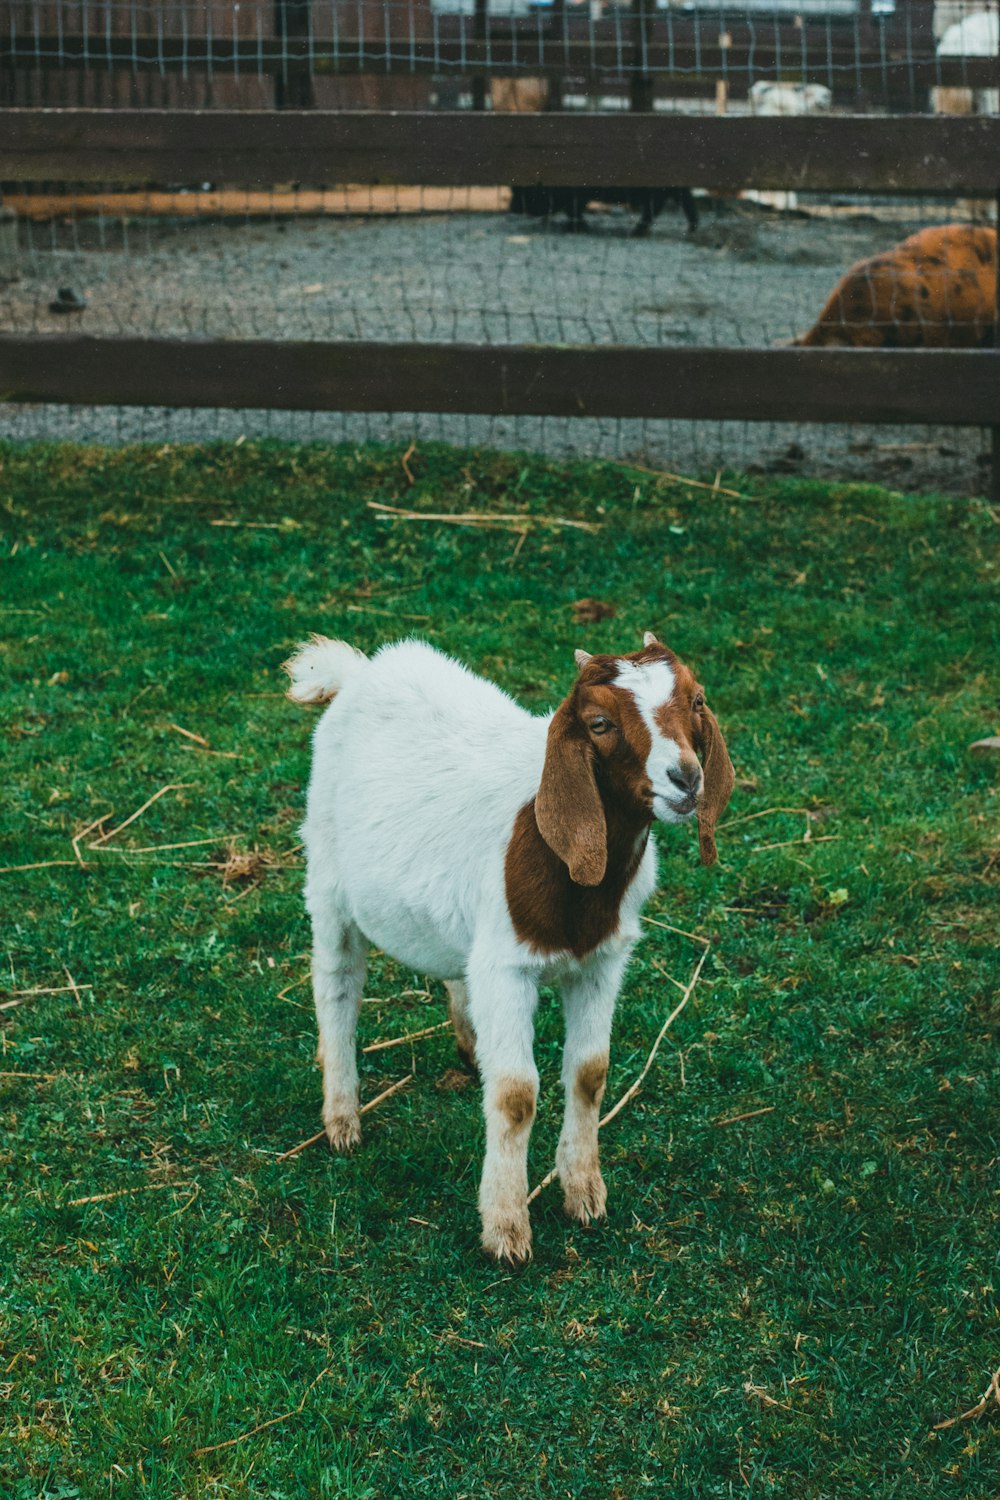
(687, 778)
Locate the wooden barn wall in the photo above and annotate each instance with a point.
(144, 86)
(389, 28)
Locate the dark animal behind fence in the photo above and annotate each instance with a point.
(544, 202)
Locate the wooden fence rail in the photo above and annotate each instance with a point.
(866, 154)
(856, 153)
(951, 387)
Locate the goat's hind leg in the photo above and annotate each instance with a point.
(458, 1013)
(338, 972)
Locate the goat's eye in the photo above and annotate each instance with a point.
(600, 725)
(699, 701)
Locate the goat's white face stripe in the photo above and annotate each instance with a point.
(652, 686)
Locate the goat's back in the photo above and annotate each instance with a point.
(419, 770)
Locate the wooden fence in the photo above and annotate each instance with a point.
(858, 154)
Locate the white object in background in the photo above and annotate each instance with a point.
(785, 99)
(976, 35)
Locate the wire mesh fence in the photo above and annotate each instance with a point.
(460, 265)
(777, 56)
(454, 265)
(942, 460)
(511, 263)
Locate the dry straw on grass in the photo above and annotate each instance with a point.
(149, 1187)
(750, 1114)
(321, 1134)
(695, 484)
(517, 522)
(241, 866)
(173, 786)
(990, 1397)
(271, 1422)
(21, 997)
(410, 1036)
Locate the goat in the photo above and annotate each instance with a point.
(975, 35)
(935, 290)
(788, 98)
(496, 850)
(543, 202)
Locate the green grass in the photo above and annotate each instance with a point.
(783, 1306)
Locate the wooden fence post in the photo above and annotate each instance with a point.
(480, 28)
(641, 87)
(554, 86)
(995, 431)
(293, 85)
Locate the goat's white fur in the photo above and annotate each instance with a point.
(319, 671)
(651, 685)
(768, 98)
(419, 771)
(971, 35)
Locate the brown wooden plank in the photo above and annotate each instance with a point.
(239, 203)
(960, 154)
(293, 87)
(784, 385)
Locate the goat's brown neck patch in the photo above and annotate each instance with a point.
(550, 913)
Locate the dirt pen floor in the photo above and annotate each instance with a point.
(749, 277)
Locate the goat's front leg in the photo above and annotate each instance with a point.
(589, 1004)
(502, 1006)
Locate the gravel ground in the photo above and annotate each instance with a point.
(748, 277)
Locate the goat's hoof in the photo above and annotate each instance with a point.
(508, 1240)
(343, 1131)
(585, 1198)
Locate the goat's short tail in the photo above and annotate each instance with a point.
(320, 669)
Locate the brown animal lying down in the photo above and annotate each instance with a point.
(936, 289)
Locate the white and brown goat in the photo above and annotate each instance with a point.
(496, 850)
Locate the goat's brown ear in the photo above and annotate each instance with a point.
(568, 807)
(718, 785)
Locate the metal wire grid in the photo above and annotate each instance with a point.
(249, 53)
(944, 460)
(452, 267)
(445, 265)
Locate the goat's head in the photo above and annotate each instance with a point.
(630, 733)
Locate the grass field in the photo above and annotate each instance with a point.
(781, 1306)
